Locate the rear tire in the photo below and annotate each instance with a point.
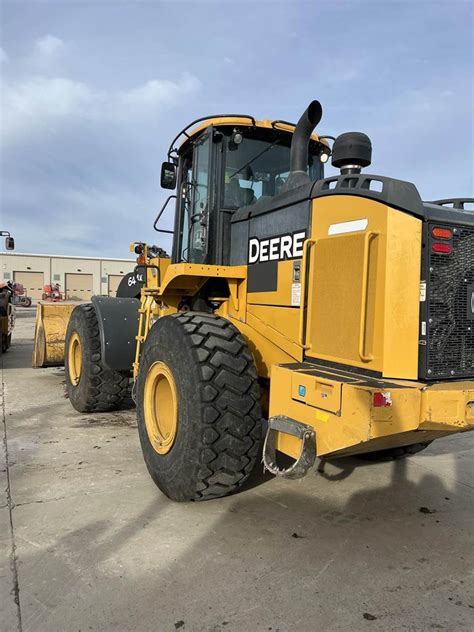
(212, 440)
(391, 454)
(90, 385)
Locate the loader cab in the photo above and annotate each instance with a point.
(222, 168)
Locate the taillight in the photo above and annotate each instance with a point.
(382, 400)
(442, 249)
(442, 233)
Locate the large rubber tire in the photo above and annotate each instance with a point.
(99, 388)
(219, 419)
(394, 453)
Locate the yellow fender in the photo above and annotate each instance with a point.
(50, 333)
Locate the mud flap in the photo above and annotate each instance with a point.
(297, 429)
(118, 326)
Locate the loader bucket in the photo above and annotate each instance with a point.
(50, 333)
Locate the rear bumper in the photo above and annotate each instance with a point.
(340, 407)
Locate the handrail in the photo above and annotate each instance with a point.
(144, 320)
(301, 328)
(278, 122)
(160, 213)
(363, 303)
(458, 203)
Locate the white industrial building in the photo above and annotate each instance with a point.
(79, 277)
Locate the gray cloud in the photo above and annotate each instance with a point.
(78, 161)
(93, 93)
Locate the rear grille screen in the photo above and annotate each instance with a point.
(447, 350)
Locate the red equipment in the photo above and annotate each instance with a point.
(19, 296)
(52, 293)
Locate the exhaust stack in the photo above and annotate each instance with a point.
(300, 144)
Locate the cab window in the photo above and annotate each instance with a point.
(257, 168)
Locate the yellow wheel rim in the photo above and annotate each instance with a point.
(160, 407)
(75, 358)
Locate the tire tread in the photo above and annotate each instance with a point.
(229, 401)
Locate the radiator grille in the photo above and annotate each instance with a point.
(450, 314)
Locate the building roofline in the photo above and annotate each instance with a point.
(35, 254)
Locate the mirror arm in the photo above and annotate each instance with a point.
(163, 230)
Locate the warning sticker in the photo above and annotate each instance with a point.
(295, 294)
(322, 416)
(422, 291)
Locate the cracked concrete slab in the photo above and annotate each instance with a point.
(100, 548)
(8, 607)
(9, 611)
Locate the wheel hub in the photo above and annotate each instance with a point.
(75, 359)
(160, 407)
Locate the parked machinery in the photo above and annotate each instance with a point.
(7, 311)
(332, 314)
(52, 292)
(19, 297)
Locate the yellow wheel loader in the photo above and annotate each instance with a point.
(298, 315)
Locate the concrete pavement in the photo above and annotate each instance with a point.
(96, 546)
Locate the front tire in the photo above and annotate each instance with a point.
(198, 407)
(91, 386)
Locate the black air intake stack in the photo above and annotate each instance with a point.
(300, 145)
(351, 151)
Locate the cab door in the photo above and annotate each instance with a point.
(194, 202)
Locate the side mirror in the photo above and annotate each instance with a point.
(9, 243)
(168, 175)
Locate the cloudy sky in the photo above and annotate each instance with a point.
(93, 92)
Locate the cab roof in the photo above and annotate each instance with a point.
(241, 120)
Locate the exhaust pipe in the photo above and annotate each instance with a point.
(300, 145)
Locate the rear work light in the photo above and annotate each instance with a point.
(442, 233)
(442, 249)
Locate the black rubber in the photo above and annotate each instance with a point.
(6, 342)
(217, 442)
(394, 453)
(100, 389)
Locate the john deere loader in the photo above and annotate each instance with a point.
(313, 316)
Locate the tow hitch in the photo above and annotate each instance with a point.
(307, 455)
